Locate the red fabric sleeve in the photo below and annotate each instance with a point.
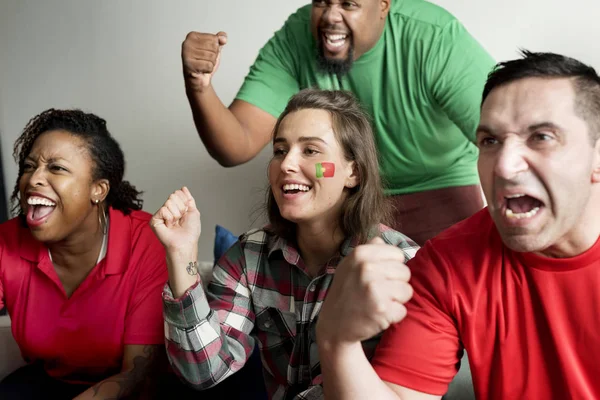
(144, 321)
(422, 352)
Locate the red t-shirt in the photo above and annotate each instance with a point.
(529, 324)
(80, 339)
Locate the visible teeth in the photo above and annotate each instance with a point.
(515, 196)
(336, 40)
(336, 37)
(510, 214)
(40, 201)
(294, 186)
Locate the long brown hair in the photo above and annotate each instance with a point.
(365, 205)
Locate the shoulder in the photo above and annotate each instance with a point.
(420, 12)
(135, 229)
(136, 219)
(395, 238)
(300, 18)
(468, 232)
(295, 31)
(9, 230)
(259, 239)
(467, 248)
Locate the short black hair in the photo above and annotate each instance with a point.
(586, 81)
(105, 152)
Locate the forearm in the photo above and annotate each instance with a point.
(348, 375)
(222, 134)
(119, 386)
(182, 275)
(201, 350)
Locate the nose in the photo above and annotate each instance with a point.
(511, 161)
(289, 163)
(332, 15)
(37, 177)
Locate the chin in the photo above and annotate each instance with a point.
(291, 217)
(41, 235)
(523, 243)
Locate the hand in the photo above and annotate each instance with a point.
(201, 55)
(177, 223)
(368, 294)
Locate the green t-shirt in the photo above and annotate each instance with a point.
(421, 83)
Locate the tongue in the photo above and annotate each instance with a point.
(523, 204)
(39, 212)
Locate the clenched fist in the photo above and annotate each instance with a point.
(367, 295)
(177, 223)
(201, 54)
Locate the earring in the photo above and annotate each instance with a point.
(96, 201)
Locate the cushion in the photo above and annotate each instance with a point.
(224, 239)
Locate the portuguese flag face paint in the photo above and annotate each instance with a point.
(325, 169)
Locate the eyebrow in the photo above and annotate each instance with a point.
(50, 160)
(301, 139)
(531, 128)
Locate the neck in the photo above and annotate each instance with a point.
(317, 244)
(79, 250)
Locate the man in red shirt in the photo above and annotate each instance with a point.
(516, 285)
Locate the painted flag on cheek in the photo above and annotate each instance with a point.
(325, 169)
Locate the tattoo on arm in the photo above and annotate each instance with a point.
(192, 268)
(130, 381)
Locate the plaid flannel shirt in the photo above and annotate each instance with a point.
(260, 291)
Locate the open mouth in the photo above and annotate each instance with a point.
(521, 206)
(295, 188)
(39, 209)
(336, 40)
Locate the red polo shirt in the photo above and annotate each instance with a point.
(81, 338)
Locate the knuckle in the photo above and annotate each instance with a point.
(193, 35)
(404, 273)
(360, 253)
(410, 292)
(402, 312)
(378, 308)
(370, 288)
(365, 271)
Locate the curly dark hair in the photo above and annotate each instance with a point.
(105, 152)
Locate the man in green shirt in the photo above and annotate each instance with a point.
(412, 65)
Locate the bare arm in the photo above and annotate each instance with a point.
(231, 135)
(366, 297)
(138, 373)
(348, 375)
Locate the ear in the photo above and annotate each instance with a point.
(99, 190)
(385, 8)
(596, 164)
(352, 178)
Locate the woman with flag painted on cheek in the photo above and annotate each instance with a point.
(324, 199)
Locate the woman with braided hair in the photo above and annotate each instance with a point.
(81, 273)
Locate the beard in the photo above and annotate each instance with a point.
(334, 66)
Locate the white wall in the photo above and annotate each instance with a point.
(121, 60)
